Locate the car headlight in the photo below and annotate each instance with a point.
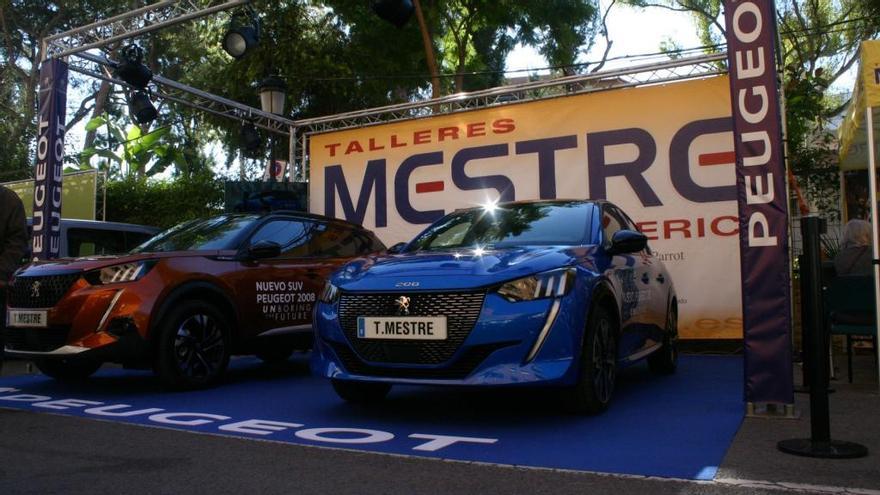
(554, 283)
(330, 294)
(115, 274)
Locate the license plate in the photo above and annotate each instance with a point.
(18, 318)
(403, 327)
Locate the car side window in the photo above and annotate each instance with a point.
(90, 242)
(611, 223)
(291, 235)
(330, 241)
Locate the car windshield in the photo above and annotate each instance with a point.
(207, 234)
(557, 224)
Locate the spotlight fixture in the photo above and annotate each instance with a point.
(243, 33)
(396, 12)
(273, 92)
(131, 68)
(141, 108)
(251, 141)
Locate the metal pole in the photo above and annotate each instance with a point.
(291, 156)
(820, 443)
(872, 177)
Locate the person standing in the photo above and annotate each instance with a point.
(854, 257)
(13, 246)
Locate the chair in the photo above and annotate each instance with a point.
(849, 311)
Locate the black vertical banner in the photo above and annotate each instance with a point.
(50, 160)
(762, 200)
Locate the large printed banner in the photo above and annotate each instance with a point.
(46, 237)
(762, 197)
(663, 153)
(78, 198)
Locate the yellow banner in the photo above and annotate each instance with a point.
(78, 195)
(853, 137)
(663, 153)
(870, 72)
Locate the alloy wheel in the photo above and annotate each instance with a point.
(198, 346)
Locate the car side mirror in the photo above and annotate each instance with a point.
(397, 248)
(627, 241)
(263, 249)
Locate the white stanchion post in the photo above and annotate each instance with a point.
(872, 178)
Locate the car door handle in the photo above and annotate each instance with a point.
(661, 278)
(646, 278)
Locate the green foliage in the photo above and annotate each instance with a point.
(819, 43)
(163, 203)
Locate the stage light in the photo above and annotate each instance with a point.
(141, 108)
(251, 141)
(396, 12)
(273, 92)
(131, 69)
(243, 33)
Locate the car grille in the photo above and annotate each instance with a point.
(460, 309)
(36, 339)
(49, 290)
(460, 368)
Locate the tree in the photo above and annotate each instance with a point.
(819, 44)
(23, 24)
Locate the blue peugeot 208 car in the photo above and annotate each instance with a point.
(554, 293)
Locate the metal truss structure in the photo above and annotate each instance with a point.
(165, 13)
(656, 73)
(186, 95)
(130, 24)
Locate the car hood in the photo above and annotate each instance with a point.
(86, 263)
(454, 269)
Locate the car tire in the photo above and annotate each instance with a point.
(360, 392)
(192, 350)
(65, 370)
(598, 365)
(664, 361)
(274, 354)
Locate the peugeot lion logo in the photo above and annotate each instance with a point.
(402, 303)
(35, 289)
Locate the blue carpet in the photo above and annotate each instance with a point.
(673, 426)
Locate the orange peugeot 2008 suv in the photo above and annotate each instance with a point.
(185, 300)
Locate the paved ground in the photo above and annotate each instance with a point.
(44, 453)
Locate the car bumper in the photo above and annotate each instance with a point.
(109, 323)
(522, 343)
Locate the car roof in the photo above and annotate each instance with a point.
(104, 225)
(597, 202)
(312, 216)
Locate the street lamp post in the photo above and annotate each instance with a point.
(273, 93)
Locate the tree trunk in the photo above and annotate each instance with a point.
(429, 51)
(100, 105)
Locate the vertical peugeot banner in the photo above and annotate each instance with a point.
(50, 160)
(761, 198)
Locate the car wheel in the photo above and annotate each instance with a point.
(193, 346)
(360, 392)
(64, 370)
(665, 360)
(598, 365)
(272, 354)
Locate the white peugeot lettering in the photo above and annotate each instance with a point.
(259, 426)
(200, 418)
(112, 411)
(437, 442)
(62, 404)
(319, 435)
